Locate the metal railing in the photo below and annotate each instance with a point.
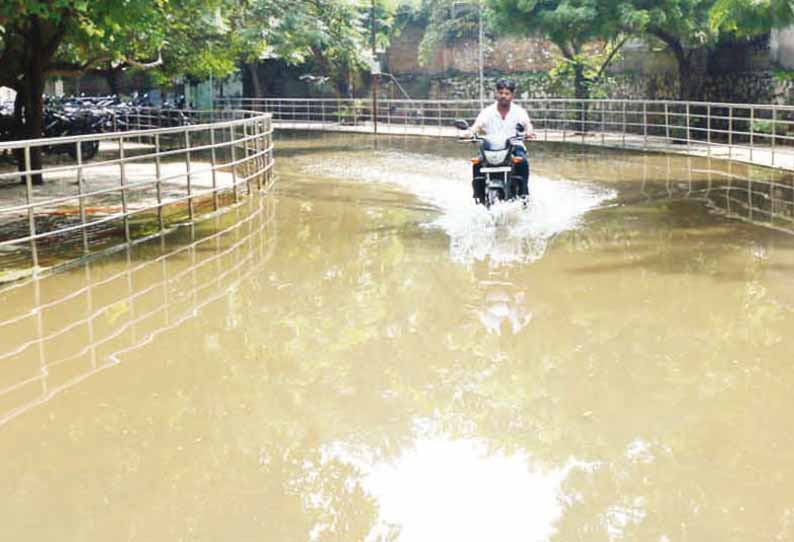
(157, 292)
(747, 133)
(165, 168)
(754, 133)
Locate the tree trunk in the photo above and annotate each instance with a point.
(29, 52)
(29, 115)
(581, 89)
(256, 84)
(113, 78)
(683, 58)
(687, 89)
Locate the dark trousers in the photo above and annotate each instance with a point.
(522, 170)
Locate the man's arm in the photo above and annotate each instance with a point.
(479, 124)
(529, 130)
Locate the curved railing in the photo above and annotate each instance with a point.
(755, 133)
(745, 133)
(101, 191)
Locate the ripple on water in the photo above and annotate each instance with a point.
(505, 234)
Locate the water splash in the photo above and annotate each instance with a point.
(507, 233)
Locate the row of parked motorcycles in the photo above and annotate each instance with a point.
(89, 115)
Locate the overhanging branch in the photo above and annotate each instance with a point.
(146, 65)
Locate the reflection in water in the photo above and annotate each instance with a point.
(633, 383)
(441, 489)
(760, 196)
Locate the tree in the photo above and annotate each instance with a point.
(687, 26)
(328, 35)
(682, 25)
(572, 25)
(42, 37)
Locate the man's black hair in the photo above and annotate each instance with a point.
(509, 84)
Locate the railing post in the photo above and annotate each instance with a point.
(158, 183)
(667, 120)
(774, 133)
(213, 158)
(564, 120)
(730, 132)
(81, 202)
(645, 125)
(708, 130)
(31, 212)
(247, 155)
(438, 109)
(123, 180)
(234, 165)
(603, 122)
(188, 177)
(257, 153)
(687, 125)
(752, 130)
(546, 119)
(624, 125)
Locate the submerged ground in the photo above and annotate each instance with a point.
(366, 355)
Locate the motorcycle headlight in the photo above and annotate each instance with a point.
(495, 157)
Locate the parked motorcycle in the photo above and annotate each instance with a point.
(497, 164)
(63, 124)
(81, 115)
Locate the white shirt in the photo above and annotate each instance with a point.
(491, 123)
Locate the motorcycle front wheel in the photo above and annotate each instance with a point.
(492, 196)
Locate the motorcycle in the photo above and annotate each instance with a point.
(62, 124)
(497, 164)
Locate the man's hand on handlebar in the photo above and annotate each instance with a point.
(466, 136)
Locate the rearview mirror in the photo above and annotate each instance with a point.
(520, 128)
(461, 124)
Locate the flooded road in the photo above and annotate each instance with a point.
(366, 356)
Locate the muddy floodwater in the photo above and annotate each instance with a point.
(364, 355)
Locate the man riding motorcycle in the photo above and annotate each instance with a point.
(500, 120)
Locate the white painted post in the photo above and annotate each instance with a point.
(81, 202)
(31, 213)
(123, 181)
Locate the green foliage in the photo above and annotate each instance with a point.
(747, 18)
(783, 75)
(76, 35)
(763, 127)
(685, 21)
(573, 26)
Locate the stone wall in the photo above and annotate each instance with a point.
(537, 85)
(744, 87)
(509, 54)
(742, 73)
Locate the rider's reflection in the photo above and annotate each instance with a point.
(504, 311)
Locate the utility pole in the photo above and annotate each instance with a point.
(375, 69)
